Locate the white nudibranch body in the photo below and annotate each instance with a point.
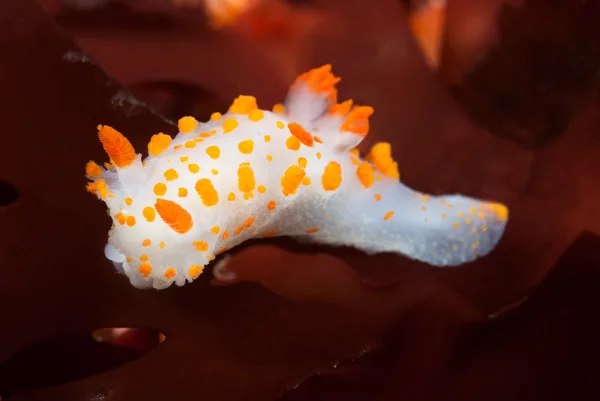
(252, 173)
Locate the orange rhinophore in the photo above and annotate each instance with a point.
(253, 173)
(116, 146)
(176, 217)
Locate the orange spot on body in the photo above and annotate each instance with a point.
(388, 215)
(208, 134)
(201, 246)
(116, 146)
(246, 180)
(170, 273)
(213, 152)
(128, 201)
(312, 230)
(160, 189)
(231, 196)
(262, 189)
(190, 144)
(249, 221)
(225, 234)
(256, 115)
(193, 167)
(267, 138)
(171, 174)
(120, 218)
(146, 242)
(271, 205)
(291, 179)
(377, 197)
(292, 143)
(279, 108)
(302, 162)
(207, 192)
(215, 230)
(149, 214)
(332, 176)
(194, 271)
(229, 125)
(145, 269)
(174, 215)
(299, 132)
(280, 125)
(182, 192)
(130, 220)
(246, 146)
(216, 116)
(269, 158)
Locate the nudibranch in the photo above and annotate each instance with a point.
(293, 171)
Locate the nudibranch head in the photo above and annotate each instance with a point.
(254, 173)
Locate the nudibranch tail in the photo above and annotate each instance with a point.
(253, 173)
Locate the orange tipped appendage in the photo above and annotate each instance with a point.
(320, 80)
(116, 146)
(499, 210)
(357, 121)
(243, 105)
(98, 187)
(381, 156)
(158, 144)
(92, 170)
(176, 217)
(341, 109)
